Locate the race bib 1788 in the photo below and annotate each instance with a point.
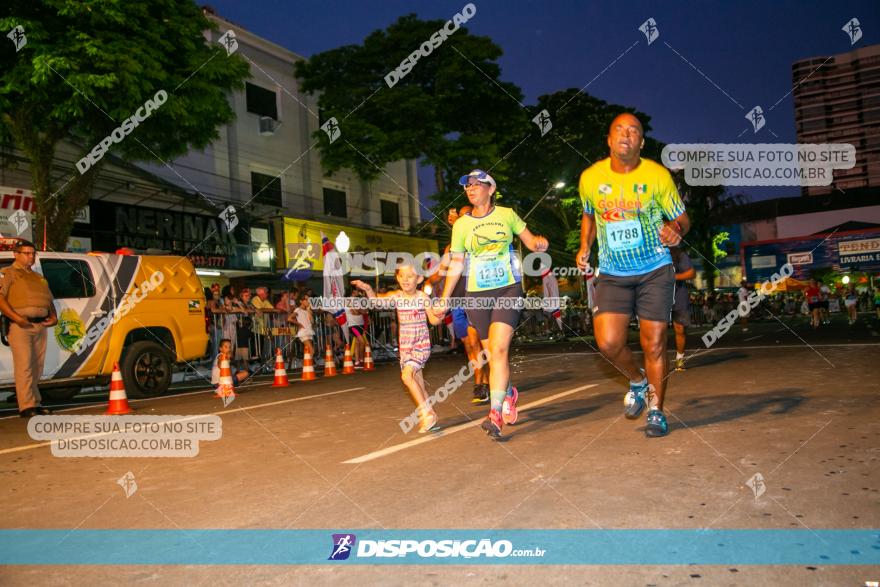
(624, 235)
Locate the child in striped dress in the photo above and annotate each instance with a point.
(414, 340)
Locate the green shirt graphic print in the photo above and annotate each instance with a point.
(488, 242)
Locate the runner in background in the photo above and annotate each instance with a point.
(812, 297)
(681, 307)
(852, 301)
(824, 296)
(743, 295)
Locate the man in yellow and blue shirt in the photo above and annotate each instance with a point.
(633, 207)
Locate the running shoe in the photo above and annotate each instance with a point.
(492, 424)
(656, 426)
(634, 400)
(508, 408)
(679, 364)
(429, 424)
(481, 394)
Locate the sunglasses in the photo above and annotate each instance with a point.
(474, 181)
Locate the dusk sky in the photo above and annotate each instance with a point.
(745, 49)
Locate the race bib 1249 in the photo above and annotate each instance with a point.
(491, 272)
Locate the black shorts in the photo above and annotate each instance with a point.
(681, 316)
(481, 319)
(648, 296)
(814, 306)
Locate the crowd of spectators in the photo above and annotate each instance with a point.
(250, 319)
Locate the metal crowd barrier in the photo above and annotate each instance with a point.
(261, 332)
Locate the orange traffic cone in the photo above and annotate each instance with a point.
(347, 364)
(308, 373)
(225, 388)
(118, 400)
(280, 371)
(368, 359)
(329, 363)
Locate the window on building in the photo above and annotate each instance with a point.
(68, 278)
(261, 101)
(813, 125)
(266, 189)
(390, 213)
(334, 203)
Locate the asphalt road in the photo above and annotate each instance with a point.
(796, 406)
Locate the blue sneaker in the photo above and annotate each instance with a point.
(634, 400)
(656, 424)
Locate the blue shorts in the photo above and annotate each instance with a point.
(459, 323)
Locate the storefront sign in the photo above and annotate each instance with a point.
(18, 203)
(302, 243)
(11, 201)
(800, 258)
(842, 251)
(859, 251)
(200, 237)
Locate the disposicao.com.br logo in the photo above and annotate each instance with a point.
(344, 545)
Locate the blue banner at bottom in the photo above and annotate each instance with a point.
(434, 547)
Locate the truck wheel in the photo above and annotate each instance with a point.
(60, 394)
(146, 369)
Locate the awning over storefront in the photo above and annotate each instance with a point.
(300, 247)
(789, 284)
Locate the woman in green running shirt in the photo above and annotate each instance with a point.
(482, 252)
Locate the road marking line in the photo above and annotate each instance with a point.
(453, 429)
(753, 337)
(789, 346)
(192, 417)
(541, 358)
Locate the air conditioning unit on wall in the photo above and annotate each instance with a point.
(268, 126)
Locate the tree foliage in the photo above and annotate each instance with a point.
(577, 139)
(89, 65)
(451, 110)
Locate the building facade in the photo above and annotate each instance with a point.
(837, 100)
(265, 163)
(267, 159)
(798, 222)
